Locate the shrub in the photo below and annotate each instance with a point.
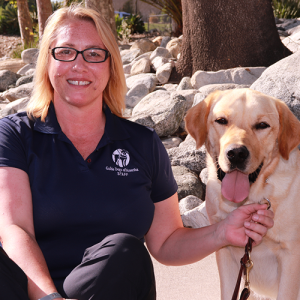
(287, 9)
(135, 24)
(9, 20)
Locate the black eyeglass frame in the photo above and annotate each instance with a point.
(107, 54)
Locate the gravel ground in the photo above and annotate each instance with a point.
(8, 44)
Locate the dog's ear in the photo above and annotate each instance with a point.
(289, 131)
(196, 120)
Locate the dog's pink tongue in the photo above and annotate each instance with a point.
(235, 186)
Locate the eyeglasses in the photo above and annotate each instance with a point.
(91, 55)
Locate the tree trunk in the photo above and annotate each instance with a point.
(223, 34)
(25, 23)
(106, 9)
(44, 9)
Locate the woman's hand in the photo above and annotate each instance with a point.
(251, 220)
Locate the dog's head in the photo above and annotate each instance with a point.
(243, 130)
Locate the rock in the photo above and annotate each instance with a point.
(141, 66)
(157, 41)
(21, 91)
(145, 45)
(188, 203)
(30, 72)
(185, 84)
(159, 61)
(14, 107)
(188, 182)
(127, 68)
(160, 111)
(236, 75)
(292, 42)
(293, 30)
(207, 89)
(159, 51)
(29, 56)
(13, 65)
(196, 218)
(171, 142)
(163, 73)
(24, 80)
(26, 68)
(204, 176)
(136, 94)
(187, 155)
(128, 56)
(147, 79)
(189, 95)
(282, 81)
(165, 40)
(7, 78)
(170, 87)
(174, 46)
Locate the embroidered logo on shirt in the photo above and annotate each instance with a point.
(121, 158)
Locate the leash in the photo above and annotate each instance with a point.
(246, 266)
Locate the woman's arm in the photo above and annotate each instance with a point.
(172, 244)
(17, 231)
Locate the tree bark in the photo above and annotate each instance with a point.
(25, 23)
(44, 9)
(222, 34)
(106, 9)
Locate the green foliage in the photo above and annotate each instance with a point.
(126, 27)
(9, 20)
(135, 24)
(287, 9)
(171, 7)
(56, 5)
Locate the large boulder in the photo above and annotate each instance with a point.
(161, 111)
(145, 45)
(21, 91)
(14, 107)
(196, 218)
(13, 65)
(6, 79)
(136, 94)
(29, 56)
(188, 182)
(187, 155)
(188, 203)
(148, 79)
(282, 81)
(235, 75)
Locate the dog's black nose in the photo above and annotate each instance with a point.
(237, 156)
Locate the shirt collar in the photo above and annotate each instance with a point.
(114, 129)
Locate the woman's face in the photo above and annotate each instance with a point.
(78, 82)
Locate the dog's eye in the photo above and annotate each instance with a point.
(221, 121)
(262, 125)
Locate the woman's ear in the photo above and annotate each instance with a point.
(289, 130)
(196, 119)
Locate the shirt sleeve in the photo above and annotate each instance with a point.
(12, 150)
(163, 181)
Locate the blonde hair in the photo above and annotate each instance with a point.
(42, 95)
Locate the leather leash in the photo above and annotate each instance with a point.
(246, 266)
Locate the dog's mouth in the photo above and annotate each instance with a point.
(252, 177)
(235, 185)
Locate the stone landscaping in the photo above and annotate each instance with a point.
(153, 101)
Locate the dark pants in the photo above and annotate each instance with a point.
(119, 267)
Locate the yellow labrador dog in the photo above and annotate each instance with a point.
(252, 140)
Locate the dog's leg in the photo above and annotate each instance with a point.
(228, 271)
(289, 283)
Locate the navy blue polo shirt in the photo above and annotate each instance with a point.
(77, 202)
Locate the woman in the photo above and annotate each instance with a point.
(79, 181)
